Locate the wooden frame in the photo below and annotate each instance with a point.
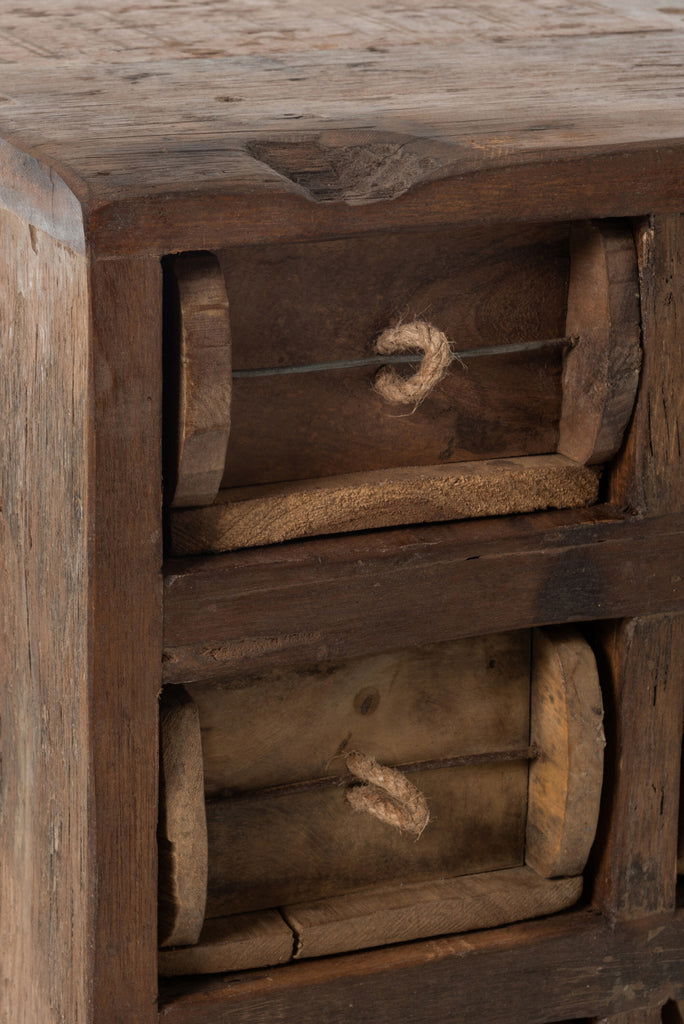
(88, 212)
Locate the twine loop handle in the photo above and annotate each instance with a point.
(437, 357)
(387, 794)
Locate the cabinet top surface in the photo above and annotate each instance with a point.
(310, 103)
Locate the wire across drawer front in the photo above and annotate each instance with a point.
(264, 855)
(287, 427)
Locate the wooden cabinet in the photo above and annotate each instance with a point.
(342, 396)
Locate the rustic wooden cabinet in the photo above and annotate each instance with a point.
(343, 413)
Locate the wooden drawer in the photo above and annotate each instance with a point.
(292, 417)
(391, 797)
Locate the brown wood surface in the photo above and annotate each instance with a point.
(45, 865)
(341, 597)
(294, 136)
(267, 850)
(642, 668)
(271, 513)
(235, 943)
(80, 633)
(504, 976)
(567, 728)
(601, 371)
(649, 474)
(182, 830)
(125, 610)
(203, 357)
(647, 1015)
(398, 707)
(380, 916)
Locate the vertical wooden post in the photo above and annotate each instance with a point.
(125, 608)
(80, 617)
(643, 658)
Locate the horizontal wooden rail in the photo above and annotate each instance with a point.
(564, 967)
(340, 597)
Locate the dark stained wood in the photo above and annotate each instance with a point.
(649, 475)
(642, 663)
(125, 610)
(506, 976)
(339, 597)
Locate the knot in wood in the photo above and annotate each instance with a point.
(386, 794)
(437, 357)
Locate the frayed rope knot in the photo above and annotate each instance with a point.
(386, 794)
(437, 357)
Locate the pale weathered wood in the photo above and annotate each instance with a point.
(315, 143)
(202, 328)
(567, 727)
(183, 822)
(376, 917)
(45, 872)
(411, 705)
(80, 632)
(505, 975)
(339, 597)
(247, 517)
(233, 943)
(642, 671)
(602, 369)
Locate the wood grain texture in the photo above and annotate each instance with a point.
(649, 475)
(80, 633)
(268, 849)
(234, 943)
(312, 143)
(182, 833)
(602, 369)
(647, 1015)
(254, 516)
(125, 624)
(341, 597)
(567, 727)
(45, 857)
(508, 975)
(398, 707)
(202, 324)
(377, 917)
(641, 662)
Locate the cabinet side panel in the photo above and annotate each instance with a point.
(44, 850)
(126, 625)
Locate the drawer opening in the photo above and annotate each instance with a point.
(267, 855)
(281, 428)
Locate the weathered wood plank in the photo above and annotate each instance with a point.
(45, 842)
(125, 628)
(340, 597)
(642, 669)
(505, 976)
(380, 916)
(649, 474)
(254, 516)
(234, 943)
